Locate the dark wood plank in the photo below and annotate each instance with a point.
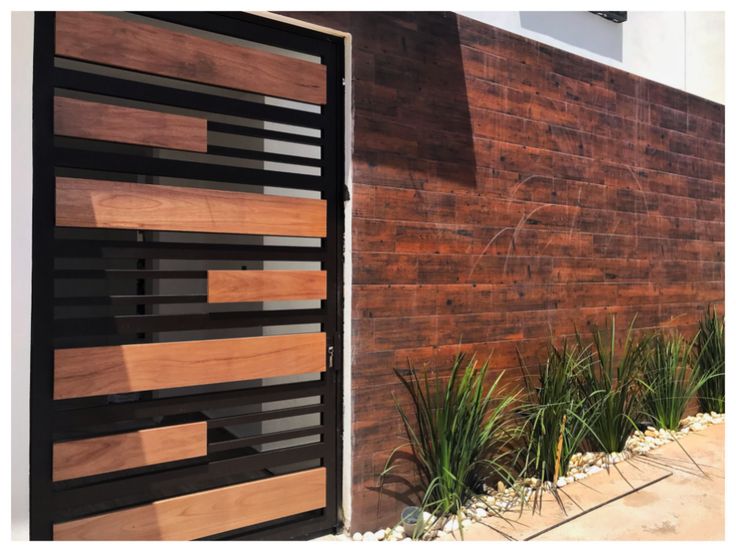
(141, 47)
(113, 123)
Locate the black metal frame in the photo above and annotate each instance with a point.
(51, 419)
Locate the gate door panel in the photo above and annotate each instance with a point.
(186, 277)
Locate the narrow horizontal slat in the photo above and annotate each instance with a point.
(81, 81)
(85, 457)
(205, 513)
(233, 444)
(95, 274)
(226, 128)
(135, 323)
(264, 156)
(151, 49)
(113, 123)
(69, 417)
(91, 371)
(86, 203)
(153, 166)
(129, 300)
(228, 286)
(265, 415)
(73, 248)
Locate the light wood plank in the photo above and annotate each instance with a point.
(229, 286)
(114, 123)
(106, 204)
(90, 371)
(85, 457)
(141, 47)
(206, 513)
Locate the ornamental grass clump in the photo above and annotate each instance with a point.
(710, 348)
(670, 381)
(460, 433)
(556, 416)
(609, 384)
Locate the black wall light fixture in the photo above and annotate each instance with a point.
(615, 16)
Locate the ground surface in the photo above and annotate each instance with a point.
(682, 506)
(659, 496)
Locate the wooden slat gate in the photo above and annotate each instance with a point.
(185, 367)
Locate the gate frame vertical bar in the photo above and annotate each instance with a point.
(42, 310)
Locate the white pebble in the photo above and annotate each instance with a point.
(481, 512)
(369, 536)
(592, 469)
(451, 525)
(561, 482)
(357, 536)
(380, 534)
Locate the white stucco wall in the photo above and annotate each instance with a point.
(20, 230)
(685, 50)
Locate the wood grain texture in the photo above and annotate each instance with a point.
(106, 204)
(141, 47)
(113, 123)
(205, 513)
(90, 371)
(527, 191)
(230, 286)
(85, 457)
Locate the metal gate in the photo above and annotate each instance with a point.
(185, 365)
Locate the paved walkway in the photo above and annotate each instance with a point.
(685, 505)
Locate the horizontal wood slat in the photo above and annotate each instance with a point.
(151, 49)
(113, 123)
(229, 286)
(206, 513)
(90, 371)
(85, 457)
(105, 204)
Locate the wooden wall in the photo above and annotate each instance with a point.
(502, 188)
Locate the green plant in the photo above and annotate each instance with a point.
(461, 437)
(710, 347)
(556, 416)
(609, 384)
(668, 382)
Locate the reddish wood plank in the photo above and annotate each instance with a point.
(229, 286)
(106, 204)
(198, 515)
(90, 371)
(85, 457)
(141, 47)
(98, 121)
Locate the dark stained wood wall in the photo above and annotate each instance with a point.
(502, 188)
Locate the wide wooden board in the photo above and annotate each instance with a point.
(85, 203)
(205, 513)
(151, 49)
(91, 371)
